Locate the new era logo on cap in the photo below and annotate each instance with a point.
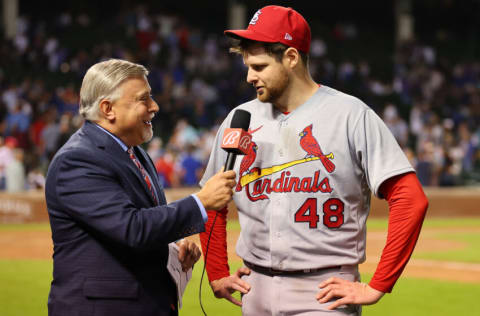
(276, 24)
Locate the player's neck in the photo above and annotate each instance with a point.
(296, 94)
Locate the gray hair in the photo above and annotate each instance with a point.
(102, 81)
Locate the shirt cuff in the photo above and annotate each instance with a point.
(202, 208)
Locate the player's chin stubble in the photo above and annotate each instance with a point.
(274, 91)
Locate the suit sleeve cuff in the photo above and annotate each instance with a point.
(201, 207)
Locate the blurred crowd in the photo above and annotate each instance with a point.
(431, 104)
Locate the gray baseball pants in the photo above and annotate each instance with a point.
(289, 295)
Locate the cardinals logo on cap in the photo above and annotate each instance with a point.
(254, 20)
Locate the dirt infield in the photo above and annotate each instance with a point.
(38, 245)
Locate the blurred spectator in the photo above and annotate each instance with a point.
(65, 130)
(49, 135)
(183, 135)
(10, 97)
(155, 148)
(396, 124)
(15, 172)
(468, 147)
(447, 177)
(36, 179)
(410, 154)
(431, 102)
(18, 122)
(167, 169)
(191, 167)
(67, 100)
(425, 166)
(37, 128)
(6, 157)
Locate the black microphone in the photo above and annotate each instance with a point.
(236, 139)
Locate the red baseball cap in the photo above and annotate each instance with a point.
(274, 24)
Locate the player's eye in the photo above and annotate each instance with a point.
(258, 67)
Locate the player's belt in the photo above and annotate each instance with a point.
(273, 272)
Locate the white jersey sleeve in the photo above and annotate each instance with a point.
(377, 151)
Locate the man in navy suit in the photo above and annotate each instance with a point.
(111, 224)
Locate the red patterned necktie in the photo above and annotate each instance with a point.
(144, 173)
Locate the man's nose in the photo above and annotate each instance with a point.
(252, 77)
(154, 106)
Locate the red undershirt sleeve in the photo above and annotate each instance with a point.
(407, 207)
(217, 258)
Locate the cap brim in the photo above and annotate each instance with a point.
(249, 34)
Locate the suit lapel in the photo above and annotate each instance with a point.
(104, 141)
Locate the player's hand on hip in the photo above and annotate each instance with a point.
(224, 287)
(347, 292)
(188, 253)
(217, 191)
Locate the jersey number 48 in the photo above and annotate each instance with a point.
(332, 213)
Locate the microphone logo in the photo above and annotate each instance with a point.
(231, 138)
(236, 140)
(245, 142)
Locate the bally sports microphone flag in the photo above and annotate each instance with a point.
(236, 139)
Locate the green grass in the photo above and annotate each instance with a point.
(211, 305)
(24, 284)
(463, 222)
(25, 227)
(470, 253)
(419, 297)
(233, 225)
(374, 223)
(24, 287)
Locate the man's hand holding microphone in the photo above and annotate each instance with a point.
(217, 191)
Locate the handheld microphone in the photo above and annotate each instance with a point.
(236, 139)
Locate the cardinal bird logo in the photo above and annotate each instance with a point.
(311, 146)
(247, 161)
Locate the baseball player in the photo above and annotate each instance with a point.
(303, 198)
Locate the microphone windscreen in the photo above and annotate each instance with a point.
(241, 119)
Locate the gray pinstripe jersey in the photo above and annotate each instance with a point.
(305, 186)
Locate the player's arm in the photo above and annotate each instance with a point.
(216, 258)
(407, 207)
(223, 284)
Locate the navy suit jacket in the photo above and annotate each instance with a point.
(110, 240)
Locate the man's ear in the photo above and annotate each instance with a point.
(291, 57)
(106, 110)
